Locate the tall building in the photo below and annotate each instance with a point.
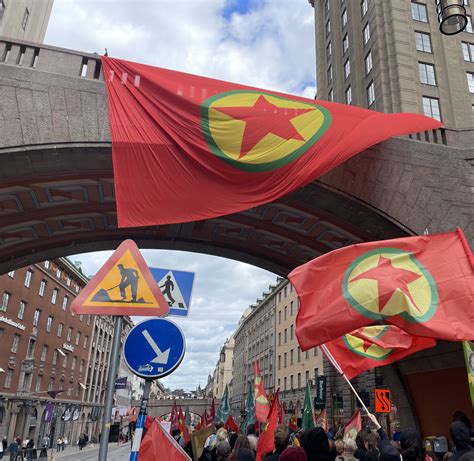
(222, 375)
(25, 19)
(389, 56)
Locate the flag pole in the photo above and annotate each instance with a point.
(339, 370)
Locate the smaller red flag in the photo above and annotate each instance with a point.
(212, 413)
(293, 423)
(261, 401)
(281, 413)
(174, 416)
(266, 442)
(322, 419)
(353, 426)
(158, 444)
(231, 425)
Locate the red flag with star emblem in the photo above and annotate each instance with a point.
(424, 285)
(262, 405)
(374, 346)
(187, 148)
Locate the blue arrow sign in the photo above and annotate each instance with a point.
(154, 348)
(177, 287)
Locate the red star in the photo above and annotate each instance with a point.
(389, 279)
(263, 118)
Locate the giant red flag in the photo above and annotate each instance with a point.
(261, 401)
(424, 285)
(374, 346)
(186, 147)
(159, 445)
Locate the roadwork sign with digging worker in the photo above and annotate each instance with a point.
(123, 286)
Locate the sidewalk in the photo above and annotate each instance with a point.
(73, 452)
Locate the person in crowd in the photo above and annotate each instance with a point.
(30, 449)
(252, 436)
(223, 450)
(412, 446)
(293, 454)
(350, 448)
(316, 445)
(241, 443)
(65, 442)
(469, 456)
(397, 434)
(59, 444)
(4, 444)
(232, 439)
(461, 416)
(339, 447)
(361, 442)
(82, 441)
(447, 456)
(461, 438)
(212, 439)
(245, 454)
(2, 450)
(13, 449)
(176, 434)
(281, 440)
(45, 441)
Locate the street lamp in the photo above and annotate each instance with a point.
(451, 16)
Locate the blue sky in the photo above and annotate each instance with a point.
(267, 44)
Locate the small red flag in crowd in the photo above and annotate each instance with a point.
(261, 400)
(266, 443)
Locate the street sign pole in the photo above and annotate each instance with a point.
(137, 437)
(109, 395)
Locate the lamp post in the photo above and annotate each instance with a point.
(451, 16)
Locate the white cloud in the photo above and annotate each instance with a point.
(268, 44)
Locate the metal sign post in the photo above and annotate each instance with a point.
(137, 437)
(109, 395)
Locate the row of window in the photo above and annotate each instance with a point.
(299, 384)
(30, 272)
(285, 357)
(285, 312)
(419, 13)
(364, 7)
(285, 292)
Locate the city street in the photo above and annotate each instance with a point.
(114, 453)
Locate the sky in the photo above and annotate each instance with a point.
(267, 44)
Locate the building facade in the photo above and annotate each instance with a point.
(254, 340)
(45, 350)
(388, 55)
(222, 375)
(25, 19)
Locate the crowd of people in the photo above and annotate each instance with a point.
(371, 444)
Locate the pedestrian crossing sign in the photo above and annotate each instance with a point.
(177, 287)
(124, 285)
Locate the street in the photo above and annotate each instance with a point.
(114, 453)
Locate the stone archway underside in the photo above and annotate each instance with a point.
(58, 200)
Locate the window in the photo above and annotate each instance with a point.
(78, 337)
(470, 81)
(418, 12)
(5, 300)
(285, 335)
(469, 24)
(331, 95)
(81, 366)
(60, 329)
(279, 317)
(347, 69)
(366, 33)
(291, 308)
(8, 378)
(291, 357)
(423, 42)
(54, 296)
(46, 264)
(21, 310)
(279, 362)
(306, 355)
(344, 18)
(86, 339)
(69, 334)
(431, 107)
(68, 281)
(328, 51)
(316, 373)
(65, 301)
(65, 361)
(44, 353)
(427, 73)
(29, 275)
(286, 291)
(299, 380)
(468, 51)
(16, 340)
(42, 287)
(286, 312)
(73, 364)
(49, 323)
(368, 63)
(371, 94)
(315, 351)
(349, 95)
(51, 384)
(24, 22)
(299, 354)
(345, 43)
(11, 274)
(328, 27)
(58, 273)
(285, 355)
(55, 357)
(291, 332)
(284, 383)
(364, 7)
(39, 380)
(329, 74)
(36, 317)
(31, 348)
(306, 375)
(291, 381)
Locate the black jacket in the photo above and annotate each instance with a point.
(461, 439)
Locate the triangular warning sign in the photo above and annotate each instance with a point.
(123, 286)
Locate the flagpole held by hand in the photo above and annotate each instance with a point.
(339, 370)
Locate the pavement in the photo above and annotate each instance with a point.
(91, 452)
